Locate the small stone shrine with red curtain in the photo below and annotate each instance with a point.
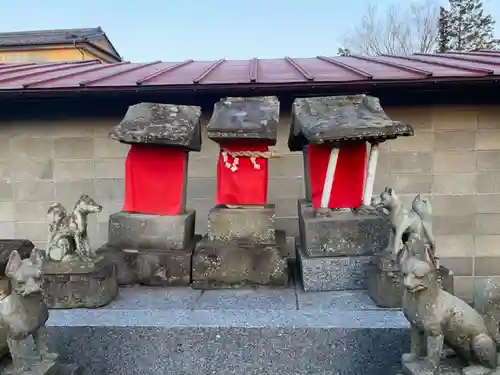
(339, 138)
(242, 246)
(152, 238)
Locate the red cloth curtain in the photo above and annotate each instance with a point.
(349, 177)
(246, 185)
(154, 180)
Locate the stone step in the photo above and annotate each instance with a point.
(250, 331)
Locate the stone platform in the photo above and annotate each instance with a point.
(150, 331)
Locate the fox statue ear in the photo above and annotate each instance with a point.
(36, 257)
(403, 255)
(429, 256)
(13, 264)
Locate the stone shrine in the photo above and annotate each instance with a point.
(338, 236)
(385, 286)
(242, 246)
(75, 276)
(23, 315)
(152, 239)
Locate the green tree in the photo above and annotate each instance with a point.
(344, 52)
(444, 32)
(466, 27)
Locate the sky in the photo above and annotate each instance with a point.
(176, 30)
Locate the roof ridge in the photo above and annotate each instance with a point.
(44, 31)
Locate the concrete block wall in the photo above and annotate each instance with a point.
(453, 159)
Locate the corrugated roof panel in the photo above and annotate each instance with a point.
(278, 71)
(328, 71)
(92, 75)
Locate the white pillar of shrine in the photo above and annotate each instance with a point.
(330, 173)
(370, 176)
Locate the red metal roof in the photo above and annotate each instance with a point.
(93, 76)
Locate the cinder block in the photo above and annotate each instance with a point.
(74, 148)
(454, 161)
(488, 161)
(145, 231)
(242, 225)
(457, 140)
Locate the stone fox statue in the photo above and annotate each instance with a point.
(68, 233)
(404, 221)
(24, 313)
(438, 317)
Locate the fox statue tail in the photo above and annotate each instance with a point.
(487, 303)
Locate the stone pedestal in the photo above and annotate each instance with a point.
(386, 289)
(241, 248)
(337, 248)
(79, 284)
(151, 249)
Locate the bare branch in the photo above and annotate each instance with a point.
(397, 30)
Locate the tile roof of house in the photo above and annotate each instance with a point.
(58, 36)
(272, 73)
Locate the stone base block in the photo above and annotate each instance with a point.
(323, 274)
(255, 225)
(144, 231)
(227, 265)
(161, 267)
(238, 332)
(77, 284)
(124, 274)
(151, 266)
(386, 290)
(342, 233)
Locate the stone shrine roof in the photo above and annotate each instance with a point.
(245, 118)
(160, 124)
(341, 119)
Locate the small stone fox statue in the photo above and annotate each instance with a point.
(438, 317)
(24, 313)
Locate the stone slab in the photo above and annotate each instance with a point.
(332, 273)
(145, 231)
(254, 225)
(272, 299)
(226, 265)
(386, 290)
(78, 284)
(161, 124)
(152, 298)
(341, 118)
(254, 118)
(131, 340)
(336, 300)
(342, 233)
